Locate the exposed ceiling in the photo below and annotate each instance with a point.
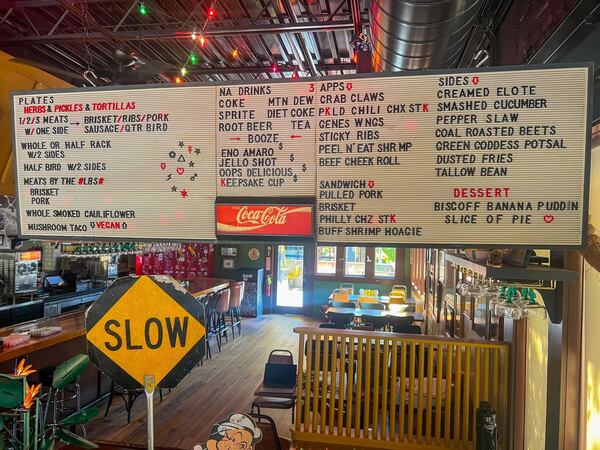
(247, 39)
(66, 36)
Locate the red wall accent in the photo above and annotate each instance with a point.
(191, 261)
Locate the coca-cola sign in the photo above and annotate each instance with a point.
(291, 220)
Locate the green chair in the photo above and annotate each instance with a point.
(11, 391)
(61, 379)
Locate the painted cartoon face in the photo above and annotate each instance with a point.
(235, 440)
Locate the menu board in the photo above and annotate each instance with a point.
(486, 157)
(127, 163)
(265, 136)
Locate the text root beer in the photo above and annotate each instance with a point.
(265, 220)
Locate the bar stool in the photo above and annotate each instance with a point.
(235, 301)
(60, 379)
(129, 396)
(221, 309)
(205, 301)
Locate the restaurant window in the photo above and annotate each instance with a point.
(385, 262)
(355, 262)
(326, 259)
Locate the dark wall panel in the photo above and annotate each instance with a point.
(527, 25)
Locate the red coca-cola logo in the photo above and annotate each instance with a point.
(273, 215)
(265, 220)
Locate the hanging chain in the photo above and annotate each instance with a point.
(86, 32)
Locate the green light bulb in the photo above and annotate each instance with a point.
(142, 9)
(193, 59)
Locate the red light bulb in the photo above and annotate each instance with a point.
(274, 68)
(295, 75)
(212, 13)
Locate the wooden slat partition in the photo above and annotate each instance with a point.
(388, 390)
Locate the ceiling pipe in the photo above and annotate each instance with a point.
(409, 35)
(143, 35)
(289, 9)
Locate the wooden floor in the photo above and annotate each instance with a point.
(223, 385)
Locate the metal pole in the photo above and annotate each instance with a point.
(149, 389)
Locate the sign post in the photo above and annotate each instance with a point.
(146, 332)
(149, 390)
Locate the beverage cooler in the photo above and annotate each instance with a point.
(252, 303)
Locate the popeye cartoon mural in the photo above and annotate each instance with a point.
(238, 432)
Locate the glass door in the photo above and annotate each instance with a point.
(291, 276)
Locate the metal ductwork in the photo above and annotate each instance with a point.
(420, 34)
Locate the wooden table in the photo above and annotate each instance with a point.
(418, 317)
(72, 324)
(385, 299)
(204, 286)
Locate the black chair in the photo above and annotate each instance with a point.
(344, 305)
(280, 366)
(372, 306)
(377, 322)
(400, 323)
(409, 329)
(345, 319)
(270, 438)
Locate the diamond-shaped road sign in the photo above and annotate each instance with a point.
(148, 325)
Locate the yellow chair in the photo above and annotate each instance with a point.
(366, 299)
(369, 292)
(401, 288)
(348, 286)
(397, 299)
(340, 295)
(294, 273)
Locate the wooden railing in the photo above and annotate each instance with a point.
(376, 389)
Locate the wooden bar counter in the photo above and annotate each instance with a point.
(54, 349)
(204, 286)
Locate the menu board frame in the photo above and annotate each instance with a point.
(586, 169)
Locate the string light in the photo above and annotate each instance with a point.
(212, 13)
(142, 9)
(194, 36)
(235, 53)
(193, 59)
(184, 71)
(178, 80)
(202, 41)
(274, 68)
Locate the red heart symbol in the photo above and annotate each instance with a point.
(163, 166)
(548, 218)
(475, 80)
(180, 170)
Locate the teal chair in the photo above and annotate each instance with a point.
(61, 379)
(11, 391)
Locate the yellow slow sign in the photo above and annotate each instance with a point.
(146, 332)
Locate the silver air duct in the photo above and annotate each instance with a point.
(420, 34)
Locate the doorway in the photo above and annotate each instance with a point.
(291, 278)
